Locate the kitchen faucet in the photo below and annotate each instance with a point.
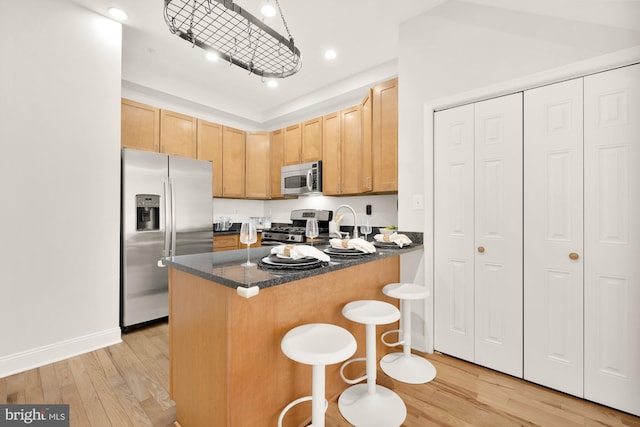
(355, 219)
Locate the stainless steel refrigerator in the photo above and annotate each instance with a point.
(166, 211)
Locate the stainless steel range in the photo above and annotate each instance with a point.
(295, 232)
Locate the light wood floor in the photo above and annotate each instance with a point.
(127, 385)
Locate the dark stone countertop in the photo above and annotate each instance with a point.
(225, 267)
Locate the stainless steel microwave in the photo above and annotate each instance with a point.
(302, 179)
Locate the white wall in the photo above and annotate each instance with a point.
(59, 168)
(459, 47)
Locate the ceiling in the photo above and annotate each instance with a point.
(364, 34)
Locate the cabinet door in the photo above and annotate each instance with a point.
(331, 163)
(292, 145)
(233, 166)
(140, 128)
(277, 160)
(367, 143)
(210, 148)
(553, 229)
(498, 230)
(225, 242)
(351, 136)
(257, 178)
(454, 233)
(612, 238)
(312, 140)
(385, 136)
(177, 134)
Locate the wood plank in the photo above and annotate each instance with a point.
(33, 388)
(127, 400)
(50, 387)
(15, 388)
(77, 413)
(88, 395)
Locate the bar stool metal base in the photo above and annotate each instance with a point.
(384, 408)
(410, 369)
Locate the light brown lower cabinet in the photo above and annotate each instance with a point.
(231, 242)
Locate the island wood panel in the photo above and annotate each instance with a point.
(227, 368)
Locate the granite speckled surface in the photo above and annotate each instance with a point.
(225, 267)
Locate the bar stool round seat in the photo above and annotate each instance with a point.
(370, 404)
(405, 366)
(316, 344)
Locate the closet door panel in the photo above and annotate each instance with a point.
(498, 234)
(454, 258)
(612, 238)
(553, 206)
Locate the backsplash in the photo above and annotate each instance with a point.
(384, 208)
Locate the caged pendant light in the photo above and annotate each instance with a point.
(223, 27)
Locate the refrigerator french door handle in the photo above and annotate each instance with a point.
(173, 217)
(167, 235)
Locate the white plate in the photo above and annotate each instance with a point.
(301, 263)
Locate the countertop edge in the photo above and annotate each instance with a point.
(197, 265)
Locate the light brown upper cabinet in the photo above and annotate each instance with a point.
(140, 128)
(210, 148)
(177, 134)
(367, 161)
(385, 136)
(277, 160)
(312, 140)
(292, 144)
(351, 150)
(342, 157)
(331, 164)
(233, 162)
(257, 163)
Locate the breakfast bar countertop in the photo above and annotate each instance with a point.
(225, 267)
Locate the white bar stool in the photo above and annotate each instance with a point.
(405, 366)
(370, 405)
(316, 344)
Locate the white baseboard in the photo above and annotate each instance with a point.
(34, 358)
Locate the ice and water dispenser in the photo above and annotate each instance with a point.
(147, 212)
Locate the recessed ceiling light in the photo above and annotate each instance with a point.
(268, 10)
(272, 83)
(212, 56)
(330, 54)
(118, 14)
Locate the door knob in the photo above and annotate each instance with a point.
(574, 256)
(481, 249)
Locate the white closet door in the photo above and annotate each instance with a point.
(553, 229)
(498, 234)
(453, 216)
(612, 238)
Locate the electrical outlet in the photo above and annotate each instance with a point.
(418, 202)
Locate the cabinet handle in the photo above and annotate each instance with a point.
(574, 256)
(481, 249)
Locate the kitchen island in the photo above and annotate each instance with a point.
(227, 368)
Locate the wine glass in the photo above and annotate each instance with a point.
(311, 230)
(365, 229)
(248, 235)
